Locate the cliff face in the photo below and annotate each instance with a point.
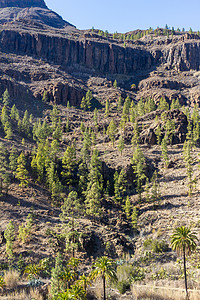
(22, 3)
(183, 56)
(31, 30)
(102, 57)
(105, 58)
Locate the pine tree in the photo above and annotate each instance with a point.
(21, 172)
(164, 154)
(115, 84)
(134, 219)
(83, 176)
(95, 179)
(196, 119)
(4, 115)
(4, 175)
(14, 113)
(25, 125)
(172, 106)
(9, 235)
(111, 131)
(8, 130)
(119, 104)
(125, 112)
(189, 131)
(83, 104)
(31, 119)
(88, 99)
(54, 117)
(140, 107)
(133, 113)
(93, 138)
(158, 133)
(120, 183)
(67, 126)
(68, 164)
(169, 130)
(107, 108)
(71, 206)
(163, 105)
(57, 284)
(72, 239)
(6, 98)
(127, 208)
(57, 134)
(147, 190)
(93, 200)
(138, 164)
(120, 145)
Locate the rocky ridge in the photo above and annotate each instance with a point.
(22, 3)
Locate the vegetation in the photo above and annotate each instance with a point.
(184, 242)
(88, 182)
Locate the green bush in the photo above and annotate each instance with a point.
(123, 286)
(137, 274)
(156, 246)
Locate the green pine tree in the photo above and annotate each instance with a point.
(9, 235)
(6, 98)
(120, 145)
(164, 154)
(138, 164)
(107, 108)
(21, 172)
(111, 131)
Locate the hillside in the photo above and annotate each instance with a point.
(99, 156)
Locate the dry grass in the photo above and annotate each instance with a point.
(11, 279)
(23, 295)
(162, 293)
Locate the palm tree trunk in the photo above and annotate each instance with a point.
(185, 274)
(104, 288)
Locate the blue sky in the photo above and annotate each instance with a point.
(127, 15)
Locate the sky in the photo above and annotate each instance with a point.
(126, 15)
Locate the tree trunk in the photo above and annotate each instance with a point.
(185, 274)
(104, 288)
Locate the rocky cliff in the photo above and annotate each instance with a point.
(22, 3)
(153, 63)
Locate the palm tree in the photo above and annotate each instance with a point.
(184, 242)
(104, 268)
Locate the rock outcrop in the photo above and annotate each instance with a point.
(22, 3)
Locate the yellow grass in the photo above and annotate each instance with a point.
(162, 293)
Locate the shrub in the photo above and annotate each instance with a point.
(159, 246)
(156, 246)
(32, 271)
(123, 286)
(2, 282)
(137, 274)
(11, 278)
(45, 266)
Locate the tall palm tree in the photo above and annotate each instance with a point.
(184, 242)
(104, 267)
